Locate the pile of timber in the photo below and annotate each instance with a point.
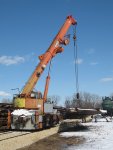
(5, 115)
(78, 113)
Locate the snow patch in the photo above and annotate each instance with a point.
(98, 137)
(22, 112)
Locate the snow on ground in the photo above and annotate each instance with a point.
(98, 137)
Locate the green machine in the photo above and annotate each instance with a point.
(107, 104)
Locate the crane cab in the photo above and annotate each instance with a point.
(34, 101)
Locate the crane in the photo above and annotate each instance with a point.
(29, 102)
(55, 48)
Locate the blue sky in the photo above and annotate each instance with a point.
(27, 28)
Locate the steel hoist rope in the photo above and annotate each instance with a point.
(76, 62)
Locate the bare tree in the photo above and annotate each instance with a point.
(111, 96)
(86, 100)
(68, 102)
(54, 99)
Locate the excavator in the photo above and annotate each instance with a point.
(31, 109)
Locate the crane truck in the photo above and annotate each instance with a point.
(31, 109)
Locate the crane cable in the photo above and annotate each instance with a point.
(76, 61)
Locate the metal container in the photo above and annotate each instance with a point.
(48, 108)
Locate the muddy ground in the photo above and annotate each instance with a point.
(55, 142)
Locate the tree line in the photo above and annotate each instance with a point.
(86, 100)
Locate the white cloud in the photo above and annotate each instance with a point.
(4, 94)
(94, 63)
(108, 79)
(11, 60)
(79, 61)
